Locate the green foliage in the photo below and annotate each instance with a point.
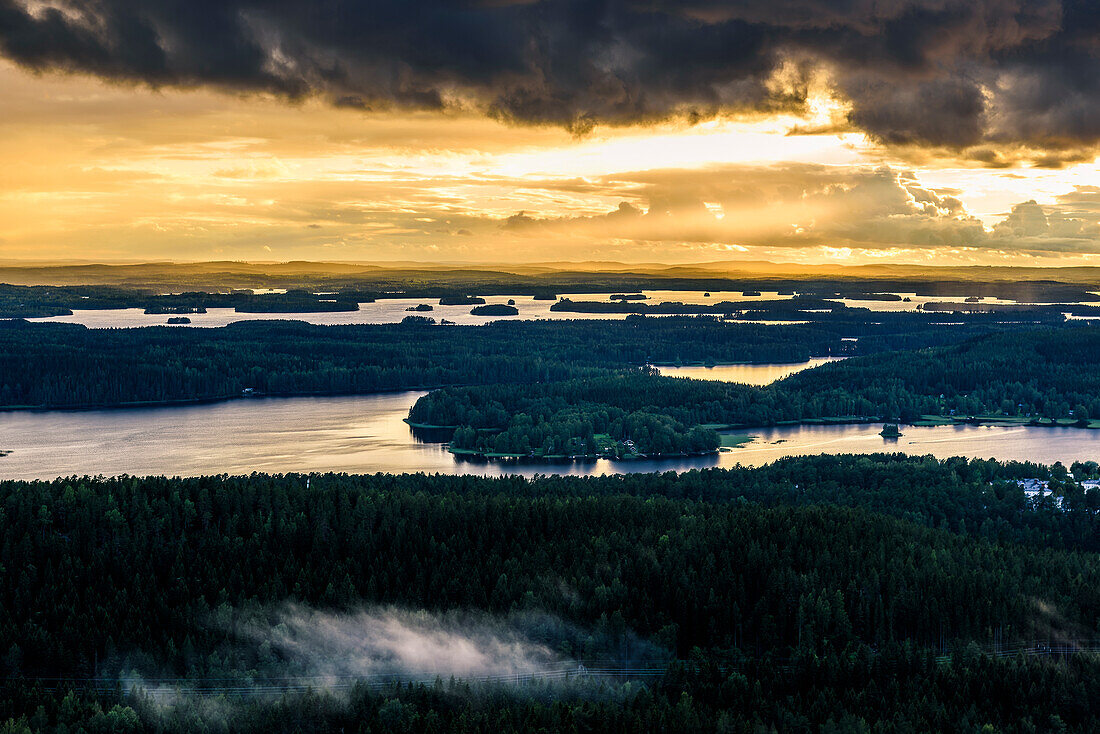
(789, 592)
(1035, 373)
(87, 553)
(60, 365)
(1031, 373)
(815, 594)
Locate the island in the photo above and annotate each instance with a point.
(628, 297)
(295, 301)
(890, 430)
(461, 300)
(179, 320)
(671, 441)
(495, 309)
(421, 307)
(867, 296)
(292, 307)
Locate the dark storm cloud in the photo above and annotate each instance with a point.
(916, 72)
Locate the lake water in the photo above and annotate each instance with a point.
(392, 310)
(382, 311)
(366, 434)
(748, 374)
(1015, 443)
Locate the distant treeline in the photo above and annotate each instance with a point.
(788, 306)
(818, 590)
(222, 284)
(59, 365)
(816, 309)
(45, 301)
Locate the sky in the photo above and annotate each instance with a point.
(494, 131)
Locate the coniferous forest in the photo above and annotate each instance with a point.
(828, 593)
(832, 593)
(1043, 375)
(67, 365)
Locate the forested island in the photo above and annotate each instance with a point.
(495, 309)
(921, 593)
(295, 302)
(1042, 378)
(461, 300)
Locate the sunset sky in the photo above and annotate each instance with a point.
(924, 131)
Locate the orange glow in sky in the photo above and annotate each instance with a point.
(95, 171)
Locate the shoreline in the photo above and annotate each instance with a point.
(574, 459)
(218, 399)
(748, 440)
(742, 364)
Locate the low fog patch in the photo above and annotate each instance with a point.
(269, 656)
(388, 642)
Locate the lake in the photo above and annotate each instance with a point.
(1014, 443)
(366, 434)
(748, 374)
(392, 310)
(361, 434)
(387, 311)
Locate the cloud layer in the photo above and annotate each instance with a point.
(955, 73)
(807, 206)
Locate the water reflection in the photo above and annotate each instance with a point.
(393, 310)
(358, 434)
(582, 467)
(1044, 445)
(749, 374)
(366, 434)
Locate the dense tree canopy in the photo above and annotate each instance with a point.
(1036, 374)
(59, 365)
(881, 593)
(789, 591)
